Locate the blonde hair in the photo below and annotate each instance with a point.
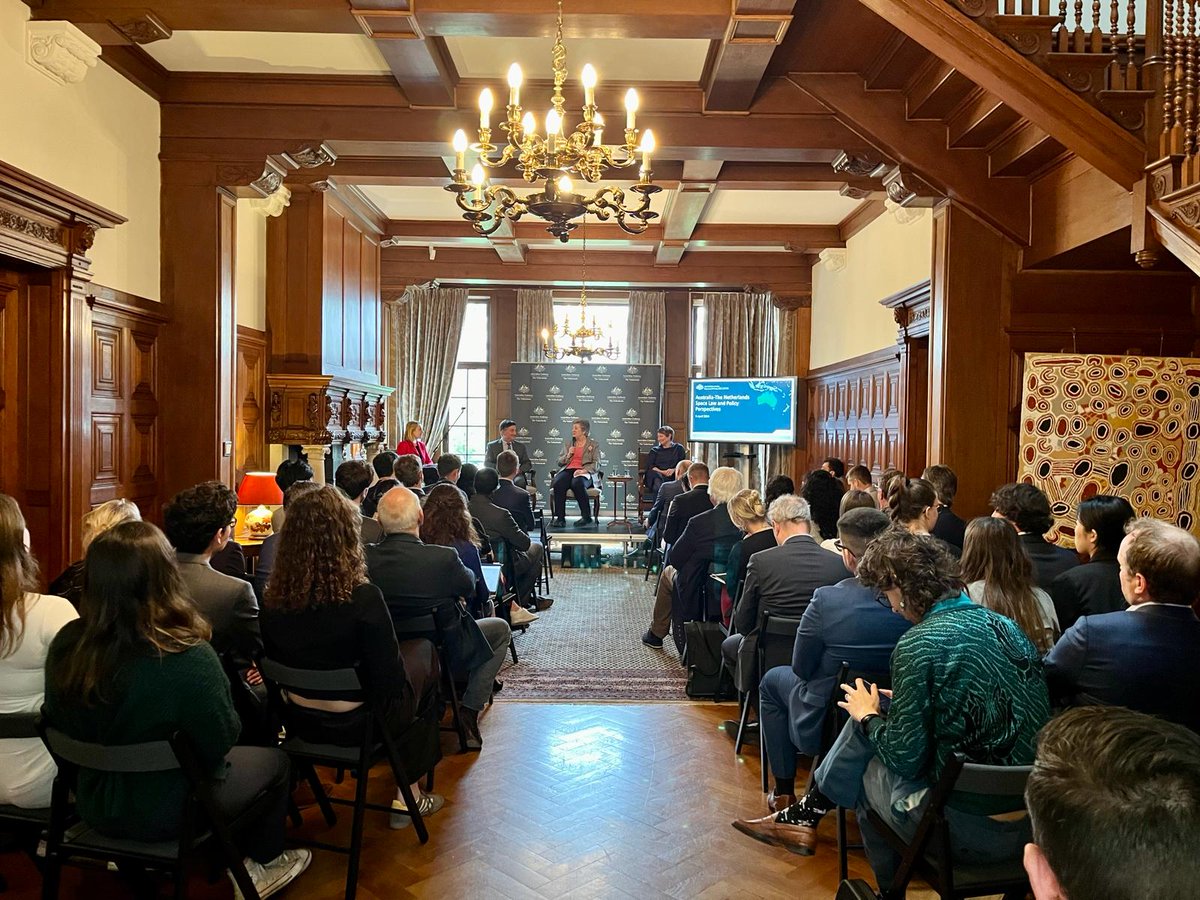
(105, 516)
(724, 482)
(410, 428)
(746, 508)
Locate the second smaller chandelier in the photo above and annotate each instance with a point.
(556, 158)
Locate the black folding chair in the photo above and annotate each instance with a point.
(432, 626)
(928, 854)
(776, 638)
(26, 825)
(547, 572)
(376, 742)
(200, 823)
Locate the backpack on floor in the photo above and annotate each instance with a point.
(707, 675)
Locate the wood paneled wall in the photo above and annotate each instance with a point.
(854, 411)
(250, 438)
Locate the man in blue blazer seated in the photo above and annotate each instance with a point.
(845, 622)
(662, 459)
(508, 496)
(1144, 657)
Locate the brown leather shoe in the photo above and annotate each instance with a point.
(544, 603)
(779, 802)
(798, 839)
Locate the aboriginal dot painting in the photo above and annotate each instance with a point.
(1126, 425)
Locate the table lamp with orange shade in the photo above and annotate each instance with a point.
(258, 489)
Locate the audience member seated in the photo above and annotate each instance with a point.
(508, 441)
(845, 622)
(508, 496)
(288, 473)
(321, 612)
(466, 479)
(94, 523)
(413, 445)
(353, 478)
(749, 516)
(885, 483)
(136, 667)
(859, 478)
(578, 463)
(823, 493)
(667, 492)
(661, 460)
(912, 504)
(1094, 587)
(230, 560)
(852, 499)
(1114, 802)
(701, 549)
(409, 473)
(999, 575)
(1027, 510)
(780, 581)
(270, 544)
(776, 488)
(384, 465)
(198, 522)
(836, 468)
(1143, 658)
(449, 467)
(964, 680)
(414, 576)
(499, 525)
(948, 527)
(28, 623)
(688, 504)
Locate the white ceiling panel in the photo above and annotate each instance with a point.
(733, 207)
(437, 205)
(617, 61)
(268, 52)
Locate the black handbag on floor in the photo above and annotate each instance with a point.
(707, 676)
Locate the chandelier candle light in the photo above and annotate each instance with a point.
(553, 158)
(584, 342)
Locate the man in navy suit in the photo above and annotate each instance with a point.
(662, 501)
(1144, 657)
(508, 496)
(1027, 509)
(845, 622)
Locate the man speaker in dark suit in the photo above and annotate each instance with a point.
(508, 496)
(501, 526)
(1143, 657)
(508, 441)
(1027, 509)
(780, 580)
(412, 575)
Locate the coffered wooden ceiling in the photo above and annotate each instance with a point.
(752, 102)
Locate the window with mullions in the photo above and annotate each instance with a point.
(467, 411)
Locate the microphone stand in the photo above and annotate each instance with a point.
(446, 433)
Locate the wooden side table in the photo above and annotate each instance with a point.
(620, 485)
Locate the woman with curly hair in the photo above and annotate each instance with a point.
(319, 611)
(137, 667)
(823, 492)
(964, 680)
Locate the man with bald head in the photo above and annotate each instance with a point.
(414, 578)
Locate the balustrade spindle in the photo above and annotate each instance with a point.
(1063, 31)
(1131, 67)
(1077, 43)
(1168, 86)
(1114, 21)
(1189, 87)
(1177, 137)
(1096, 36)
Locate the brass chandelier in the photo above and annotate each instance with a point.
(584, 342)
(555, 158)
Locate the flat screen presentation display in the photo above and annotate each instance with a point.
(742, 410)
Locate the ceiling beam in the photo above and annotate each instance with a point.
(880, 117)
(421, 65)
(687, 206)
(755, 29)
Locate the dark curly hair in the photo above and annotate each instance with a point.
(194, 515)
(776, 488)
(1025, 505)
(918, 564)
(292, 470)
(353, 477)
(320, 557)
(446, 517)
(823, 492)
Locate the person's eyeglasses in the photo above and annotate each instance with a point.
(233, 524)
(883, 601)
(842, 548)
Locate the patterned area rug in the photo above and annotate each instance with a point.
(588, 646)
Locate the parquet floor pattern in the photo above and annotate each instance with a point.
(565, 801)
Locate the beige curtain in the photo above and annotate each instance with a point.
(535, 311)
(742, 340)
(422, 330)
(647, 328)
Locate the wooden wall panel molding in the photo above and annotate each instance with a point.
(251, 403)
(854, 411)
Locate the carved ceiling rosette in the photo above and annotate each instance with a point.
(312, 156)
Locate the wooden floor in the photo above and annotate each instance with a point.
(598, 800)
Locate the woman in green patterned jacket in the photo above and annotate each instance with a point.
(964, 680)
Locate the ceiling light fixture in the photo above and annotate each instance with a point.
(584, 342)
(552, 159)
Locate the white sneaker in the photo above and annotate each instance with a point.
(521, 616)
(273, 877)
